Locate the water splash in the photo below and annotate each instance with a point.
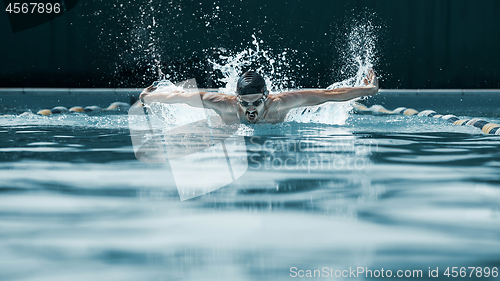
(275, 67)
(167, 116)
(138, 38)
(359, 53)
(146, 39)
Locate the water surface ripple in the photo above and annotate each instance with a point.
(376, 192)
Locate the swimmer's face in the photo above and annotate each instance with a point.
(252, 105)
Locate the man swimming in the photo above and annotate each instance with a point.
(252, 102)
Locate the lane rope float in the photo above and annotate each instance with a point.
(485, 126)
(116, 106)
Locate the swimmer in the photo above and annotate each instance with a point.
(252, 102)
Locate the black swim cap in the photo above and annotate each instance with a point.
(251, 83)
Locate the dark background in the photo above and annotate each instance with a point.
(421, 44)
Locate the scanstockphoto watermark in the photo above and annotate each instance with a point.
(309, 163)
(310, 154)
(355, 272)
(366, 272)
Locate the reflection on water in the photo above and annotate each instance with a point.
(76, 204)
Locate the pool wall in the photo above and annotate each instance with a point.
(483, 103)
(41, 98)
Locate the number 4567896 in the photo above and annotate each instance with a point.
(474, 271)
(32, 8)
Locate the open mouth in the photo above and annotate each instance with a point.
(251, 116)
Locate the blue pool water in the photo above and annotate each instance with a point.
(394, 192)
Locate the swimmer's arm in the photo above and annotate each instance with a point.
(316, 97)
(210, 100)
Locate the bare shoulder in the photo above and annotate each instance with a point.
(219, 101)
(284, 97)
(218, 97)
(292, 99)
(297, 94)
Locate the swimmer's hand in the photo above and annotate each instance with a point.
(371, 80)
(146, 92)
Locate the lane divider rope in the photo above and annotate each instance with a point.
(116, 106)
(485, 126)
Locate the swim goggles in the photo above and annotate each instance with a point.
(256, 103)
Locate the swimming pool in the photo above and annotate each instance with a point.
(375, 191)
